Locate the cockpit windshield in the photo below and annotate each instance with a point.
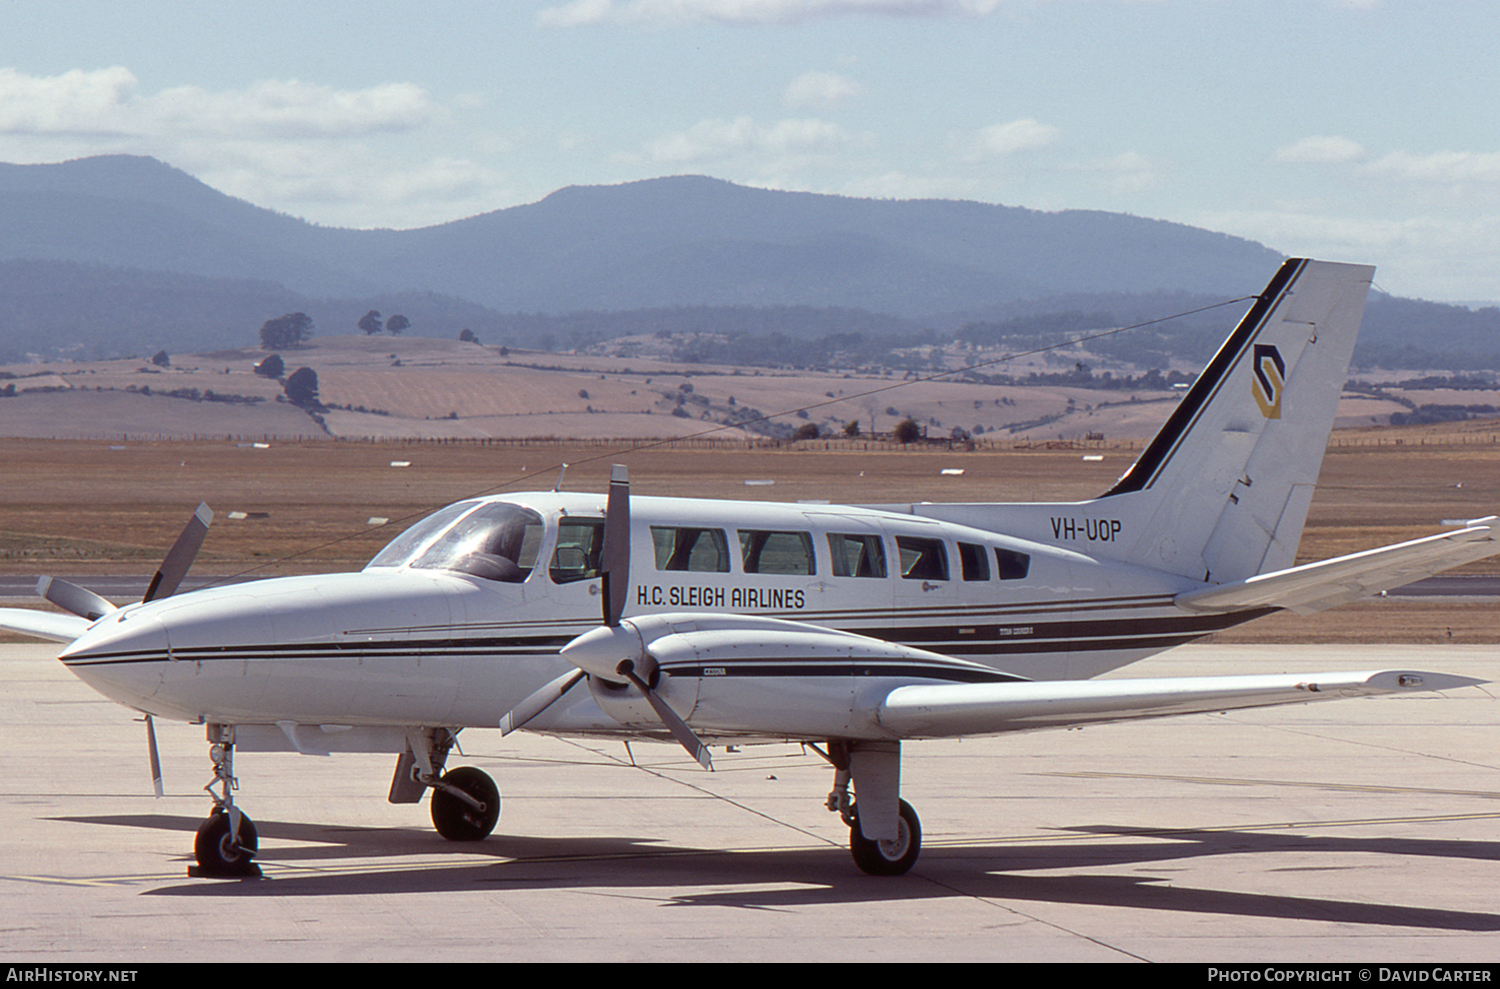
(493, 540)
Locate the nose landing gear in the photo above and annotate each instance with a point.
(227, 841)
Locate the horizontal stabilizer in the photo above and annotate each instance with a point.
(1316, 586)
(43, 624)
(993, 708)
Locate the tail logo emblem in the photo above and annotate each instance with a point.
(1270, 375)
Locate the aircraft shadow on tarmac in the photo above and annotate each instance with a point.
(825, 875)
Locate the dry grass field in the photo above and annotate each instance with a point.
(80, 507)
(419, 387)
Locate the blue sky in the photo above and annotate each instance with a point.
(1359, 130)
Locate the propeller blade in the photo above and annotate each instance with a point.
(180, 556)
(679, 729)
(538, 702)
(614, 556)
(70, 597)
(155, 758)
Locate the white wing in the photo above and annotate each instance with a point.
(43, 624)
(985, 709)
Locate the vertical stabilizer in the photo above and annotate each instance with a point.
(1222, 492)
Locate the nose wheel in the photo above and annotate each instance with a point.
(221, 852)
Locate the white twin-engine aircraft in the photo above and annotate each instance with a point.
(850, 629)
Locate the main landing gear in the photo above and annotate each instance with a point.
(465, 801)
(889, 840)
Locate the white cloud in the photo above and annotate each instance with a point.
(1026, 134)
(108, 102)
(1440, 166)
(819, 89)
(1319, 150)
(75, 102)
(581, 12)
(294, 109)
(281, 143)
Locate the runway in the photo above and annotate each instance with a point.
(1361, 830)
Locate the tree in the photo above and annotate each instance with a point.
(285, 332)
(907, 431)
(302, 388)
(807, 431)
(466, 335)
(851, 428)
(370, 322)
(271, 367)
(396, 324)
(161, 359)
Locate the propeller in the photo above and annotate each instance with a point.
(86, 604)
(168, 577)
(614, 652)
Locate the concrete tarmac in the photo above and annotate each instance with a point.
(1358, 830)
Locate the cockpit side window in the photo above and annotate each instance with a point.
(497, 541)
(577, 555)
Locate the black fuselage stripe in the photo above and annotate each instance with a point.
(965, 639)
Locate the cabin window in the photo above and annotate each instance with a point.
(496, 541)
(860, 555)
(922, 558)
(974, 560)
(762, 551)
(683, 548)
(577, 555)
(1013, 565)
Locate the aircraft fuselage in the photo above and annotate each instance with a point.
(456, 636)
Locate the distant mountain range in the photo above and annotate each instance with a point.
(120, 254)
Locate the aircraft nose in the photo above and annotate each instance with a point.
(121, 656)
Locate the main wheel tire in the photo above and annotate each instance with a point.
(217, 855)
(454, 818)
(887, 858)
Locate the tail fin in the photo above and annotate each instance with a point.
(1223, 490)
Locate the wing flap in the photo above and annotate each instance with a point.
(43, 624)
(985, 709)
(1316, 586)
